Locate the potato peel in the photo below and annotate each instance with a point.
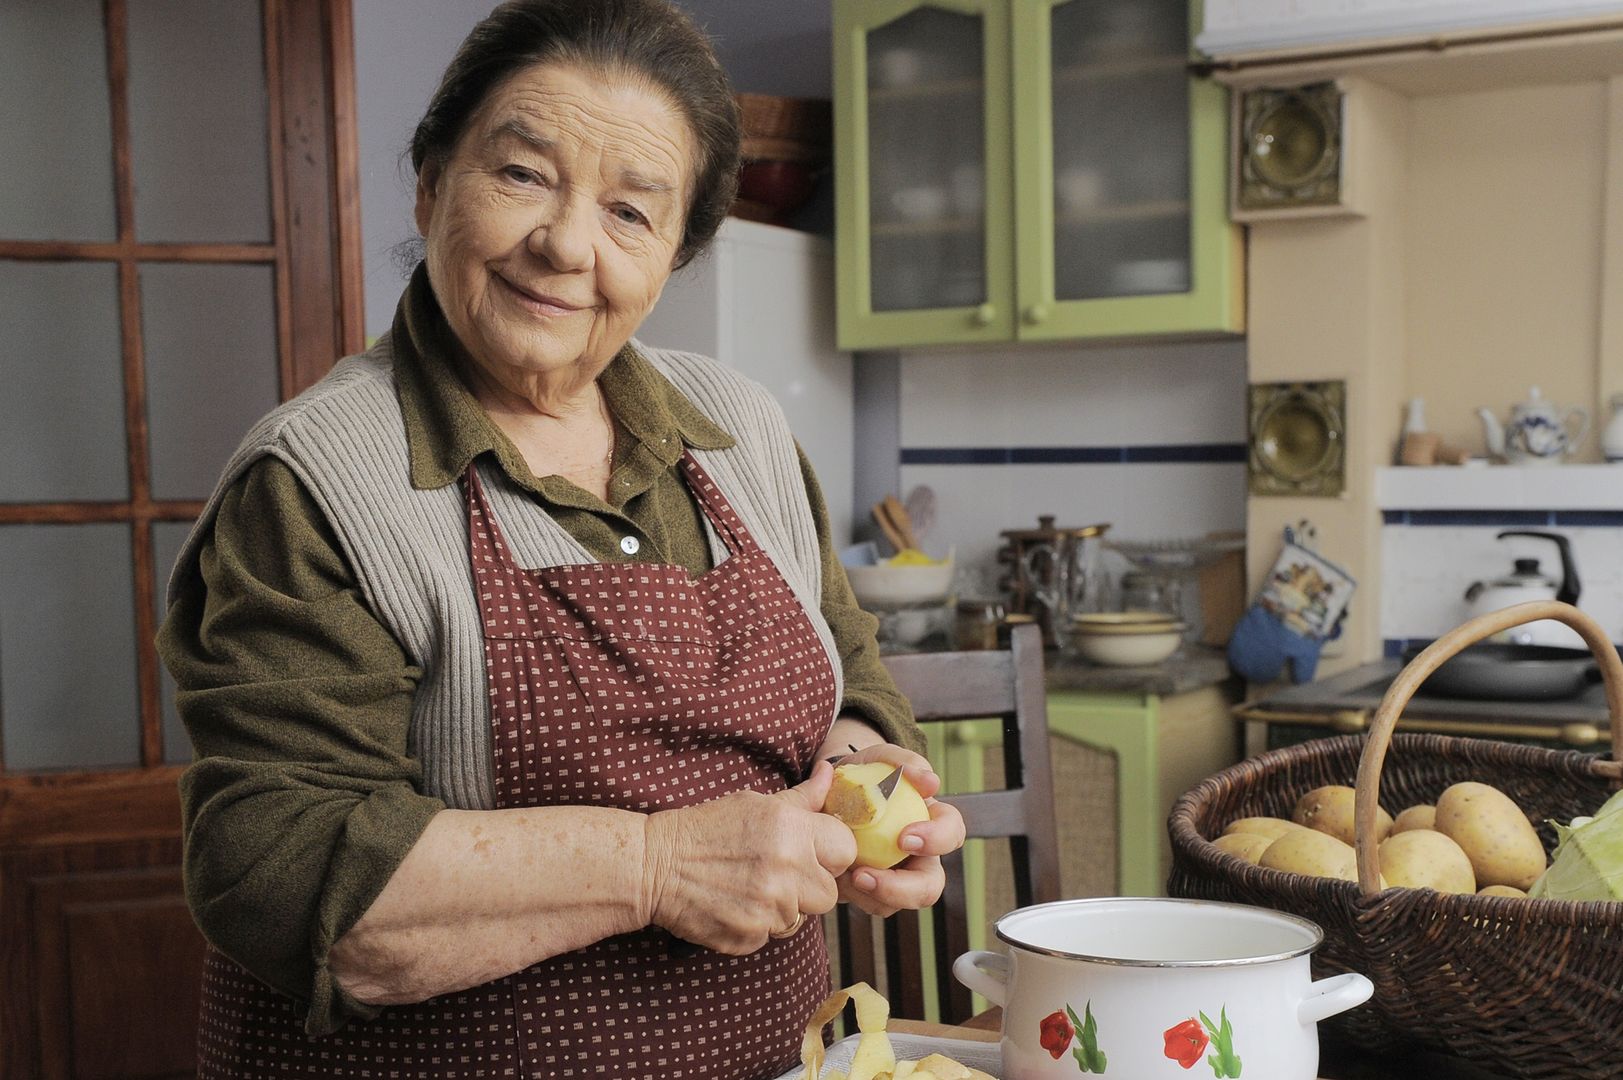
(875, 1058)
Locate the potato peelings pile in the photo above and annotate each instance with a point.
(874, 1058)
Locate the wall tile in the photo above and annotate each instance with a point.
(1426, 570)
(1034, 396)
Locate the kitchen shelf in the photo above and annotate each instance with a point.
(933, 89)
(1500, 487)
(1124, 212)
(933, 227)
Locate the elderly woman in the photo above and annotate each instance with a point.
(512, 651)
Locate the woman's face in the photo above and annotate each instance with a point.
(553, 226)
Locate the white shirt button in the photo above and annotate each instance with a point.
(630, 544)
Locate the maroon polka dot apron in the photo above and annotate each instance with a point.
(611, 684)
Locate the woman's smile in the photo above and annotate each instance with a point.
(538, 302)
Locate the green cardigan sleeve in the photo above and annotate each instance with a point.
(302, 797)
(869, 690)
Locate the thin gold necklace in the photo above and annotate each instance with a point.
(608, 420)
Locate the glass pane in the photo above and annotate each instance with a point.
(55, 124)
(926, 155)
(62, 410)
(167, 536)
(1121, 149)
(68, 692)
(199, 121)
(210, 332)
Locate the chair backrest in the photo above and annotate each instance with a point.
(1006, 685)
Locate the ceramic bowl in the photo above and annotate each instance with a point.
(1126, 639)
(883, 587)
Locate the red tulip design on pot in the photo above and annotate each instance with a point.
(1061, 1027)
(1056, 1033)
(1186, 1042)
(1188, 1039)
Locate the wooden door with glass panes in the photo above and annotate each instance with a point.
(178, 252)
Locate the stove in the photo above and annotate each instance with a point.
(1347, 702)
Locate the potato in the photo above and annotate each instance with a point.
(1247, 846)
(1271, 827)
(1502, 890)
(1329, 809)
(1307, 851)
(1503, 847)
(1423, 816)
(1422, 859)
(855, 798)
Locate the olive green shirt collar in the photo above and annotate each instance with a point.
(446, 427)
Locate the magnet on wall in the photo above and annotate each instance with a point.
(1296, 437)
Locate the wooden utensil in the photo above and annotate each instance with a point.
(904, 524)
(881, 516)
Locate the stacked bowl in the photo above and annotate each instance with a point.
(1126, 638)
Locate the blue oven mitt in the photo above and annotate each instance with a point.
(1262, 644)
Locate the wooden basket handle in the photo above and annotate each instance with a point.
(1416, 672)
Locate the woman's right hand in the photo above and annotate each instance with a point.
(728, 873)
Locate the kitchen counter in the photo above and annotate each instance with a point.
(1195, 667)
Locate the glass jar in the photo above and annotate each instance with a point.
(976, 624)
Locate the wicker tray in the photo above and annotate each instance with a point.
(1529, 988)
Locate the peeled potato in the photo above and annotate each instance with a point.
(1423, 859)
(1502, 890)
(1247, 846)
(1502, 844)
(1272, 827)
(1329, 809)
(855, 799)
(1423, 816)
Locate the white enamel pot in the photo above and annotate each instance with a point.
(1145, 988)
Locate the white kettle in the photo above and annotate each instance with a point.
(1525, 583)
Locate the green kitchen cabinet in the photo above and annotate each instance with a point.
(1027, 170)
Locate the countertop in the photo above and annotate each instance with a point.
(1195, 667)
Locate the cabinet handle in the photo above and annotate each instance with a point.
(984, 315)
(1037, 313)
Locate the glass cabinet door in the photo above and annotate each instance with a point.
(1120, 180)
(923, 170)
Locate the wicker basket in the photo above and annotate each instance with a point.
(1528, 988)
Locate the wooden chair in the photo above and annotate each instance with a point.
(965, 686)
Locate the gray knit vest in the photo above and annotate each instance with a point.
(346, 441)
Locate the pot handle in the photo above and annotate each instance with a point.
(1333, 995)
(986, 973)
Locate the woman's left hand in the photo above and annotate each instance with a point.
(916, 881)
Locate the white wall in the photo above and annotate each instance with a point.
(1113, 407)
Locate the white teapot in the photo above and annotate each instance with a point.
(1538, 433)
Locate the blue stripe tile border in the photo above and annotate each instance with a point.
(1505, 518)
(1176, 453)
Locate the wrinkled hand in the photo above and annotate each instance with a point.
(725, 874)
(916, 881)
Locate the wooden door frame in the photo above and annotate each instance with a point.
(88, 822)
